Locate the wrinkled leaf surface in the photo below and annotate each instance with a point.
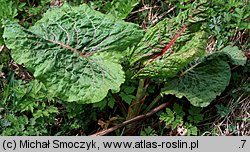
(68, 50)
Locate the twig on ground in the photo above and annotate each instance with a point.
(138, 118)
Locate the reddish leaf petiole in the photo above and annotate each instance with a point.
(158, 54)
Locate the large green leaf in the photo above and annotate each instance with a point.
(170, 63)
(201, 81)
(188, 46)
(170, 66)
(237, 56)
(68, 50)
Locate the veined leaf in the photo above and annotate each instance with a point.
(171, 63)
(237, 56)
(202, 81)
(162, 31)
(67, 51)
(189, 45)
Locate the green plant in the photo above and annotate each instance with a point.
(195, 115)
(191, 129)
(6, 11)
(174, 120)
(83, 60)
(223, 111)
(149, 131)
(85, 53)
(28, 110)
(27, 12)
(22, 100)
(117, 8)
(108, 74)
(75, 117)
(30, 11)
(223, 24)
(174, 117)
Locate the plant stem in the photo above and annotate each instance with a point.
(135, 107)
(120, 104)
(135, 119)
(152, 104)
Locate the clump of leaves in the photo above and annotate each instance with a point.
(77, 54)
(75, 118)
(174, 120)
(186, 69)
(30, 11)
(30, 110)
(117, 8)
(22, 111)
(222, 110)
(223, 24)
(149, 131)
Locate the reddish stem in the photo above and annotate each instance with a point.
(157, 54)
